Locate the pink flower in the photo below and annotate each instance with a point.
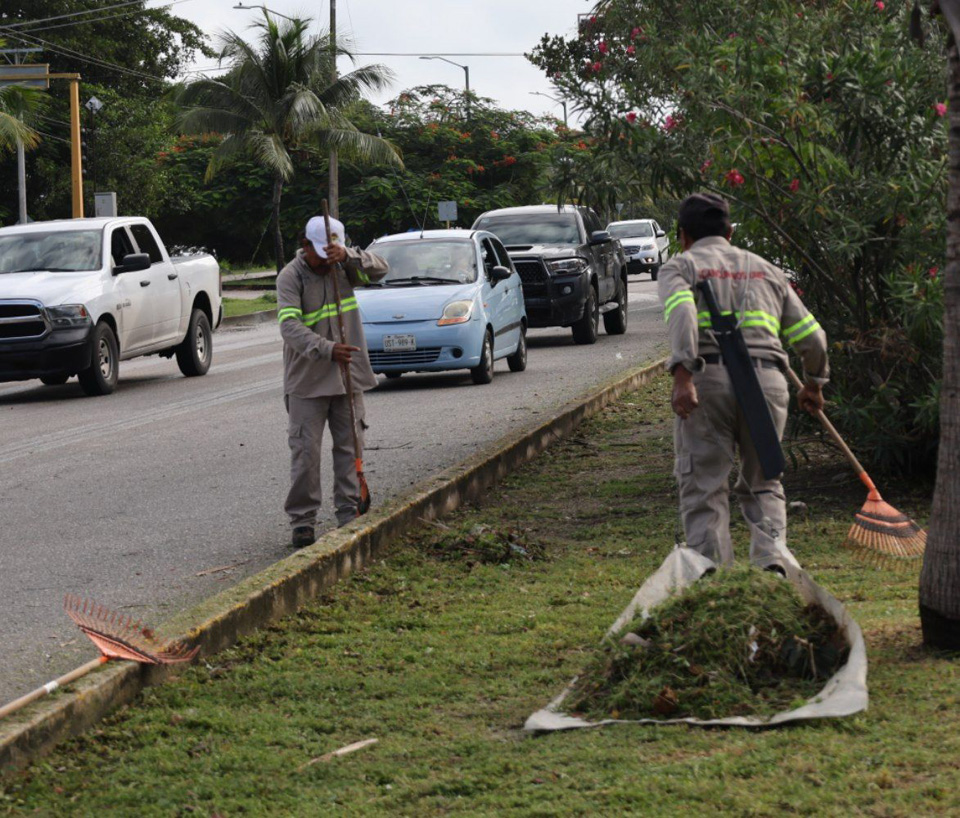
(602, 48)
(795, 186)
(940, 108)
(732, 35)
(735, 178)
(631, 50)
(597, 67)
(631, 117)
(636, 33)
(706, 165)
(593, 20)
(670, 123)
(829, 76)
(879, 5)
(933, 272)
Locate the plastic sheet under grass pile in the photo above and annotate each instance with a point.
(740, 642)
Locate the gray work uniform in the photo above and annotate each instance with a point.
(313, 385)
(768, 308)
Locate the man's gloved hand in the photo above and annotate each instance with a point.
(684, 397)
(810, 398)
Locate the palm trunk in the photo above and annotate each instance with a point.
(277, 234)
(940, 577)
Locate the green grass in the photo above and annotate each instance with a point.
(442, 655)
(245, 306)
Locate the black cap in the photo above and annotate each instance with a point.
(704, 214)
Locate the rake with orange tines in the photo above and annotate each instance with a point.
(116, 637)
(879, 532)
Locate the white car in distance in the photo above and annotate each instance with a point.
(644, 243)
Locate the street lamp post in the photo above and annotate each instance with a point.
(271, 11)
(466, 73)
(555, 99)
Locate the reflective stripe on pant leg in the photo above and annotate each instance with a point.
(765, 509)
(305, 433)
(346, 486)
(704, 446)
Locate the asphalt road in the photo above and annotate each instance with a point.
(172, 488)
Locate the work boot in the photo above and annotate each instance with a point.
(776, 569)
(303, 536)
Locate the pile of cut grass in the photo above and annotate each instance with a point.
(479, 544)
(739, 642)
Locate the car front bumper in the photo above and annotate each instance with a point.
(66, 350)
(438, 349)
(642, 261)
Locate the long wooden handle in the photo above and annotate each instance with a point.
(344, 368)
(49, 687)
(831, 429)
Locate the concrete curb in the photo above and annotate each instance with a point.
(251, 319)
(219, 622)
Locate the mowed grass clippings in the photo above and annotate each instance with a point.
(739, 642)
(442, 659)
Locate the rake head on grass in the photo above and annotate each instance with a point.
(119, 637)
(883, 534)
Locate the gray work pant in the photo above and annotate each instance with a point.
(705, 444)
(307, 417)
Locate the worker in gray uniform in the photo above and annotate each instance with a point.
(710, 426)
(314, 354)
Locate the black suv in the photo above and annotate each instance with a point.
(572, 270)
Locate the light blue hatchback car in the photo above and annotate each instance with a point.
(451, 300)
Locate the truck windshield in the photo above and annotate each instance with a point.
(640, 230)
(428, 261)
(61, 251)
(542, 228)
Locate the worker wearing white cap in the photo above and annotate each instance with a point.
(313, 354)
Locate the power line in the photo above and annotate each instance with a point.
(109, 17)
(76, 14)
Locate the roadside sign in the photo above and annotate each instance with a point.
(105, 204)
(619, 208)
(35, 72)
(447, 211)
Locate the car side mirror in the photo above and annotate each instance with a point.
(661, 234)
(133, 262)
(600, 237)
(499, 273)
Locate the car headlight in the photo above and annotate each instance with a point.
(568, 265)
(456, 312)
(68, 315)
(647, 246)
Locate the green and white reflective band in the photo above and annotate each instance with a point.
(330, 310)
(288, 312)
(362, 277)
(801, 330)
(751, 318)
(677, 298)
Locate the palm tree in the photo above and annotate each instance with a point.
(278, 97)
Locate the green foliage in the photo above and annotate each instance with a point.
(822, 123)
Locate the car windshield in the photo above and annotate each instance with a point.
(61, 251)
(638, 230)
(428, 261)
(542, 228)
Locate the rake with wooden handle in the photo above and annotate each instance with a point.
(878, 530)
(116, 637)
(363, 506)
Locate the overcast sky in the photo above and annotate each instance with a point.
(463, 27)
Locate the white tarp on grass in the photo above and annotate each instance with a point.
(844, 694)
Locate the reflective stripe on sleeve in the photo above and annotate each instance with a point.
(288, 312)
(801, 330)
(677, 298)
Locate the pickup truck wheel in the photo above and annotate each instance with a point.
(656, 270)
(586, 329)
(483, 371)
(615, 321)
(518, 361)
(54, 380)
(195, 352)
(100, 378)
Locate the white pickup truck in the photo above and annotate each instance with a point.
(78, 296)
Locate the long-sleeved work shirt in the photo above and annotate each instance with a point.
(748, 286)
(307, 311)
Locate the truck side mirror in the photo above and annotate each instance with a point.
(661, 234)
(133, 262)
(600, 237)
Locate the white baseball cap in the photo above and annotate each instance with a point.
(316, 232)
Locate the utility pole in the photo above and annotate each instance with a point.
(21, 155)
(334, 164)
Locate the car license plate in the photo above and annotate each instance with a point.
(399, 343)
